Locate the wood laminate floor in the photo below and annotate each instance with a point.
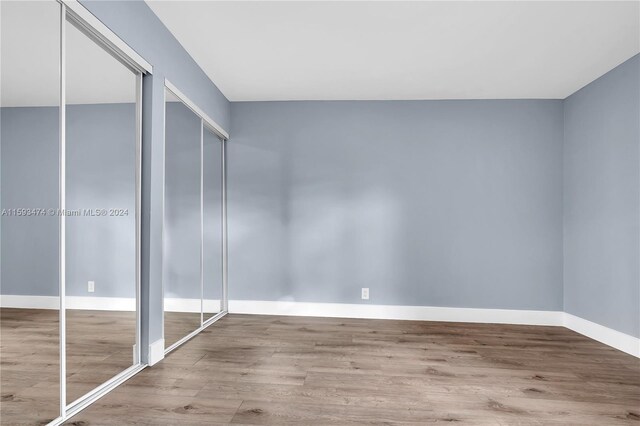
(258, 370)
(319, 371)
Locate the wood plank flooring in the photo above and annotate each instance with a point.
(268, 370)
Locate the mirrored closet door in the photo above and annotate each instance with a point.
(29, 143)
(212, 249)
(182, 237)
(194, 237)
(70, 192)
(101, 166)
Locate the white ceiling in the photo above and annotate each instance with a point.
(263, 50)
(30, 33)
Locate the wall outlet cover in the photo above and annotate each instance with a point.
(91, 286)
(365, 293)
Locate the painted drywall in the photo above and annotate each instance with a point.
(601, 200)
(101, 161)
(100, 176)
(29, 167)
(437, 203)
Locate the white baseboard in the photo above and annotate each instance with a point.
(606, 335)
(72, 302)
(101, 303)
(29, 302)
(172, 304)
(95, 303)
(156, 352)
(416, 313)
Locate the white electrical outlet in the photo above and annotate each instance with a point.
(365, 293)
(91, 286)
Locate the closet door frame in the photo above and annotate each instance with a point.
(208, 123)
(72, 12)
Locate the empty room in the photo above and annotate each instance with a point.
(319, 212)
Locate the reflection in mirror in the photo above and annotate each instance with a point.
(182, 232)
(212, 221)
(100, 229)
(29, 143)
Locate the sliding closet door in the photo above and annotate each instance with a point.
(101, 285)
(29, 143)
(212, 221)
(183, 216)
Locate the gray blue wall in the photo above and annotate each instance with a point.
(601, 200)
(101, 175)
(438, 203)
(29, 167)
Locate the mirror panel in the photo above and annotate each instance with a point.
(100, 157)
(212, 222)
(182, 231)
(29, 123)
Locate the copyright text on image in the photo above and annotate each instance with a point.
(35, 212)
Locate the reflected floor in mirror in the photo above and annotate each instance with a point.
(29, 366)
(99, 346)
(179, 324)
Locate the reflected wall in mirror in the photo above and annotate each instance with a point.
(182, 231)
(212, 222)
(29, 143)
(100, 227)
